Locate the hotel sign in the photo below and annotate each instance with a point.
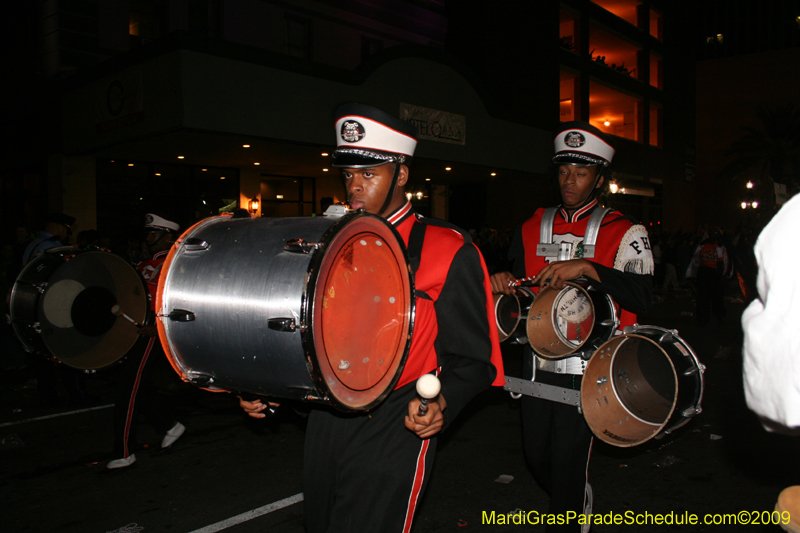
(435, 125)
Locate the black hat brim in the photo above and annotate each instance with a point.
(353, 160)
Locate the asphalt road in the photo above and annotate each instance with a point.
(235, 474)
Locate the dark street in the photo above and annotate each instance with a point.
(229, 472)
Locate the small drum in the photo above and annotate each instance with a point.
(62, 304)
(570, 320)
(511, 311)
(641, 384)
(318, 309)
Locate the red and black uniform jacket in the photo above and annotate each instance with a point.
(454, 330)
(625, 265)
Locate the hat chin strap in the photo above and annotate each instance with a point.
(390, 195)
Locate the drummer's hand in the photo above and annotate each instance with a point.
(500, 283)
(256, 407)
(429, 425)
(558, 272)
(148, 331)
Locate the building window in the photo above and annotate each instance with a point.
(624, 9)
(298, 37)
(144, 20)
(655, 71)
(656, 28)
(655, 124)
(613, 51)
(569, 96)
(615, 112)
(568, 30)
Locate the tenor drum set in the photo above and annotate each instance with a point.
(638, 385)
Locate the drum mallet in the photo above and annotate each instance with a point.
(428, 387)
(116, 310)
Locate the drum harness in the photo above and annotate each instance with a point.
(569, 365)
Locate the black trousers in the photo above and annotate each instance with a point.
(558, 446)
(710, 292)
(139, 391)
(364, 473)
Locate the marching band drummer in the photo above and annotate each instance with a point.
(556, 438)
(366, 472)
(145, 370)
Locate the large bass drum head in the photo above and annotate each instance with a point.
(61, 306)
(363, 312)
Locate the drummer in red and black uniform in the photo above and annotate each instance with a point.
(146, 368)
(556, 437)
(366, 472)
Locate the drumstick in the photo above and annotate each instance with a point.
(428, 387)
(116, 310)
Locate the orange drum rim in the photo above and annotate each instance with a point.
(359, 381)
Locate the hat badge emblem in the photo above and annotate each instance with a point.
(574, 139)
(352, 131)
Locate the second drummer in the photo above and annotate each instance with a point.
(367, 472)
(557, 440)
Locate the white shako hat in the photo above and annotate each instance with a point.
(583, 144)
(369, 137)
(156, 223)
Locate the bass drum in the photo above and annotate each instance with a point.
(570, 321)
(640, 385)
(318, 309)
(63, 305)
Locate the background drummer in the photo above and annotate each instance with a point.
(556, 438)
(145, 374)
(366, 472)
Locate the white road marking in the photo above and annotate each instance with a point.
(56, 415)
(249, 515)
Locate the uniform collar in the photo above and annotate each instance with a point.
(581, 213)
(400, 214)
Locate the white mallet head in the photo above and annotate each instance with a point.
(116, 309)
(428, 386)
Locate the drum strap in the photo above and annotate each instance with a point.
(415, 241)
(563, 251)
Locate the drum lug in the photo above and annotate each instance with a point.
(199, 379)
(41, 287)
(195, 245)
(602, 381)
(181, 315)
(37, 327)
(691, 412)
(281, 324)
(300, 246)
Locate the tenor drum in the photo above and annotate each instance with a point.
(640, 385)
(511, 314)
(61, 306)
(564, 322)
(318, 309)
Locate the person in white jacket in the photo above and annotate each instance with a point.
(771, 342)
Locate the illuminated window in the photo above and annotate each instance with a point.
(615, 112)
(655, 25)
(613, 51)
(624, 9)
(655, 71)
(655, 124)
(568, 33)
(568, 96)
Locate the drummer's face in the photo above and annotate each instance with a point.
(576, 183)
(367, 187)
